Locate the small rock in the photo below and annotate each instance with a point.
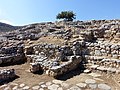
(104, 87)
(15, 88)
(53, 87)
(57, 81)
(75, 88)
(60, 88)
(41, 89)
(65, 85)
(13, 84)
(48, 83)
(35, 87)
(3, 86)
(81, 85)
(43, 86)
(90, 81)
(21, 85)
(93, 86)
(87, 71)
(8, 88)
(41, 83)
(26, 88)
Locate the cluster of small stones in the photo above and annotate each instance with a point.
(103, 57)
(49, 49)
(89, 84)
(104, 65)
(100, 28)
(11, 53)
(67, 59)
(104, 49)
(7, 74)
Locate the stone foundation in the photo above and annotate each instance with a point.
(7, 74)
(61, 59)
(11, 55)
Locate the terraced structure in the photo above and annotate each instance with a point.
(83, 54)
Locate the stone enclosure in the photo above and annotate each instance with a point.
(59, 47)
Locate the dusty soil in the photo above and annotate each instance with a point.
(48, 39)
(73, 77)
(24, 76)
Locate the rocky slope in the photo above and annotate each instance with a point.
(6, 27)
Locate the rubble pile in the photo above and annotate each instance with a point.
(93, 43)
(103, 49)
(103, 57)
(67, 59)
(11, 53)
(7, 74)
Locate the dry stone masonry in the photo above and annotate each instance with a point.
(55, 60)
(11, 54)
(88, 84)
(59, 47)
(7, 74)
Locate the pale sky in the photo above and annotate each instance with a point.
(21, 12)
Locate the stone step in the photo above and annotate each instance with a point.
(104, 69)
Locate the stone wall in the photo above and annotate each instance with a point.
(104, 49)
(72, 64)
(103, 57)
(55, 60)
(11, 55)
(7, 74)
(94, 55)
(54, 68)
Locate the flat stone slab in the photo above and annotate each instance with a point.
(60, 88)
(3, 86)
(53, 87)
(41, 89)
(14, 88)
(90, 81)
(8, 88)
(87, 71)
(104, 87)
(57, 81)
(82, 85)
(14, 84)
(74, 88)
(41, 83)
(26, 88)
(35, 87)
(94, 66)
(93, 86)
(65, 85)
(48, 83)
(22, 85)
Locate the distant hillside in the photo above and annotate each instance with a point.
(6, 27)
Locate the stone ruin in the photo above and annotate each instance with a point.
(94, 44)
(55, 60)
(97, 52)
(7, 74)
(11, 53)
(103, 57)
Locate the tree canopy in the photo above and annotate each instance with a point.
(66, 15)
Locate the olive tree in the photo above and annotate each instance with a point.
(66, 15)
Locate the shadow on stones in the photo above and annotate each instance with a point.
(72, 73)
(40, 72)
(13, 63)
(2, 82)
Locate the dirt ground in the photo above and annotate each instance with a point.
(73, 77)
